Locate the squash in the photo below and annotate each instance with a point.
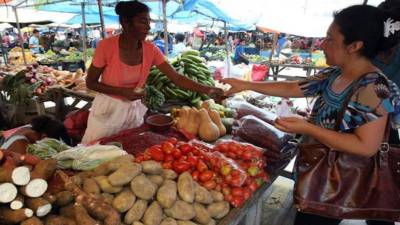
(208, 131)
(193, 122)
(182, 119)
(214, 115)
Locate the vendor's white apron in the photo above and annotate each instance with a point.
(110, 115)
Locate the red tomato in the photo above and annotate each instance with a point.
(172, 140)
(156, 154)
(237, 201)
(236, 173)
(139, 158)
(146, 157)
(180, 166)
(195, 175)
(168, 158)
(247, 155)
(218, 187)
(223, 147)
(246, 194)
(185, 148)
(237, 191)
(192, 160)
(167, 147)
(236, 181)
(226, 190)
(253, 186)
(167, 165)
(176, 153)
(231, 155)
(201, 166)
(206, 176)
(210, 185)
(228, 198)
(233, 147)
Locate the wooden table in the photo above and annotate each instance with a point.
(276, 68)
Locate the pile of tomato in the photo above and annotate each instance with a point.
(235, 169)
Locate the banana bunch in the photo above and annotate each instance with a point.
(192, 66)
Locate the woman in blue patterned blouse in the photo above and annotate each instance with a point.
(355, 37)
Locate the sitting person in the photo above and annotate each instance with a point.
(40, 127)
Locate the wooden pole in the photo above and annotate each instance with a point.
(274, 42)
(19, 34)
(164, 9)
(84, 31)
(103, 29)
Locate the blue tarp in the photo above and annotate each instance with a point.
(191, 11)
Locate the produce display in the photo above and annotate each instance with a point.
(190, 65)
(234, 168)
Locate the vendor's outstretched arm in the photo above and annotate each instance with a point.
(185, 82)
(280, 88)
(92, 82)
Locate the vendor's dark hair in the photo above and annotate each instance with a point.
(365, 23)
(35, 31)
(129, 9)
(51, 127)
(179, 37)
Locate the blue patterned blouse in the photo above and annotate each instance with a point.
(374, 98)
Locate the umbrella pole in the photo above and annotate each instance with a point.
(228, 64)
(19, 34)
(3, 52)
(164, 9)
(84, 32)
(103, 30)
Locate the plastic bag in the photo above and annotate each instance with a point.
(244, 108)
(262, 134)
(259, 72)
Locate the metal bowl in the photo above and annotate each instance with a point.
(159, 122)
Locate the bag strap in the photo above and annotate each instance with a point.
(346, 101)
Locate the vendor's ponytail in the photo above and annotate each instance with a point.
(391, 33)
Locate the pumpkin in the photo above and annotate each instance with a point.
(208, 131)
(214, 115)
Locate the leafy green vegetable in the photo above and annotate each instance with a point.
(46, 148)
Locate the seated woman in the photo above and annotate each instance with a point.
(40, 127)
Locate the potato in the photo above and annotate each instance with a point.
(124, 200)
(152, 167)
(105, 186)
(90, 186)
(168, 221)
(186, 187)
(107, 197)
(137, 223)
(143, 188)
(153, 214)
(125, 174)
(202, 215)
(169, 174)
(186, 222)
(77, 180)
(202, 195)
(156, 179)
(167, 194)
(218, 210)
(64, 198)
(217, 196)
(212, 222)
(181, 210)
(108, 167)
(136, 212)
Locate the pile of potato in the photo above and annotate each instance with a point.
(147, 194)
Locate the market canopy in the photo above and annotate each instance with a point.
(32, 16)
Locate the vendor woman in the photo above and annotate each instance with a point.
(120, 65)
